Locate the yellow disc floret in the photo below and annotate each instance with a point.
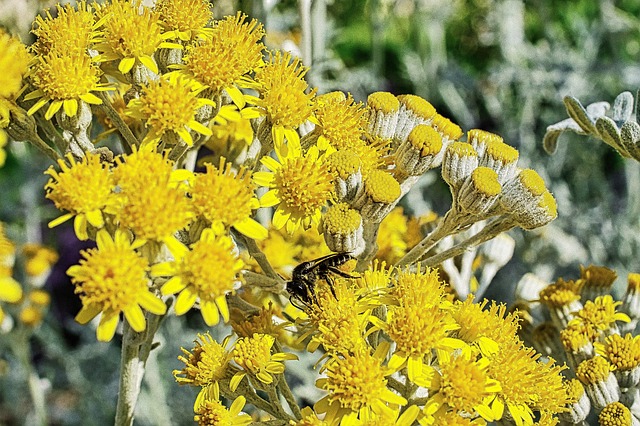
(425, 139)
(382, 187)
(485, 181)
(615, 414)
(341, 219)
(383, 101)
(593, 370)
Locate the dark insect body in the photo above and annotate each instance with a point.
(305, 275)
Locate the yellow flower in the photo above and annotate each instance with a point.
(153, 202)
(66, 79)
(392, 244)
(186, 18)
(222, 61)
(73, 30)
(168, 107)
(341, 120)
(84, 189)
(14, 60)
(601, 313)
(462, 383)
(283, 98)
(112, 279)
(131, 34)
(253, 355)
(309, 418)
(357, 387)
(226, 196)
(205, 366)
(206, 273)
(213, 413)
(300, 187)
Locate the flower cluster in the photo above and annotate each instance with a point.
(292, 176)
(594, 334)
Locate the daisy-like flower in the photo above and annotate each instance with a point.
(84, 189)
(299, 185)
(72, 30)
(206, 273)
(112, 279)
(131, 34)
(66, 79)
(204, 366)
(213, 413)
(222, 61)
(153, 203)
(337, 323)
(169, 106)
(186, 18)
(284, 98)
(253, 355)
(602, 314)
(357, 387)
(223, 195)
(341, 121)
(461, 383)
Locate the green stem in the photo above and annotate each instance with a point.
(21, 349)
(285, 390)
(274, 399)
(122, 127)
(135, 351)
(444, 228)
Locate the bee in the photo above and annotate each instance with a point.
(304, 277)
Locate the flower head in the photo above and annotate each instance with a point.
(131, 34)
(112, 279)
(211, 412)
(223, 60)
(341, 121)
(300, 187)
(186, 18)
(206, 273)
(169, 105)
(253, 355)
(84, 189)
(65, 79)
(73, 30)
(204, 366)
(223, 195)
(357, 386)
(283, 98)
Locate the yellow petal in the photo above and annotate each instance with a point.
(264, 178)
(209, 312)
(270, 198)
(236, 96)
(135, 318)
(95, 218)
(185, 301)
(10, 290)
(70, 107)
(107, 327)
(152, 303)
(235, 381)
(80, 227)
(173, 286)
(280, 217)
(126, 64)
(221, 303)
(251, 228)
(148, 62)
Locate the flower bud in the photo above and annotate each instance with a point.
(383, 110)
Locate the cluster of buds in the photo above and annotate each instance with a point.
(578, 322)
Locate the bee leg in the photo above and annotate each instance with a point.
(292, 298)
(329, 281)
(341, 273)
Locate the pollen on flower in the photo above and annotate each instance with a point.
(253, 355)
(532, 181)
(382, 187)
(499, 151)
(233, 50)
(593, 370)
(71, 31)
(463, 383)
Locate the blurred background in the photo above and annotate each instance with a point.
(498, 65)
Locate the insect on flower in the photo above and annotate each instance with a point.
(305, 275)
